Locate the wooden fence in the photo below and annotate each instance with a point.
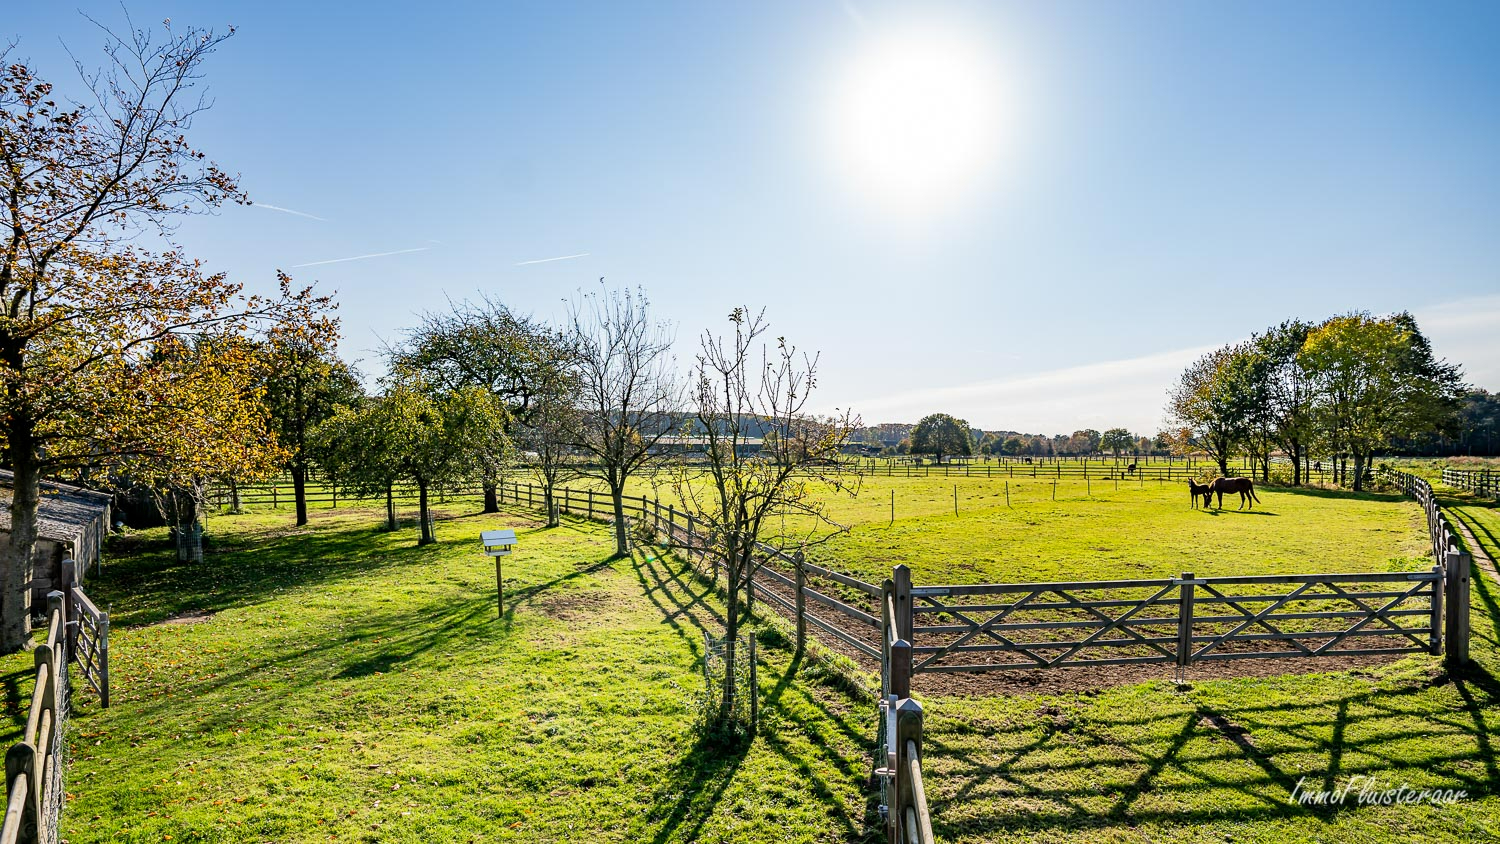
(1180, 621)
(1449, 553)
(1480, 482)
(34, 765)
(76, 632)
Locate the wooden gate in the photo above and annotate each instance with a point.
(1180, 621)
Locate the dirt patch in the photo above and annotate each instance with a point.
(575, 605)
(185, 618)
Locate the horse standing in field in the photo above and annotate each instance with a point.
(1244, 486)
(1130, 470)
(1196, 489)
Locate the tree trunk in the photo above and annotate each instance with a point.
(390, 508)
(491, 498)
(15, 568)
(234, 496)
(622, 544)
(1296, 453)
(423, 517)
(299, 490)
(1359, 471)
(549, 502)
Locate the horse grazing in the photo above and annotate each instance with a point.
(1244, 486)
(1196, 489)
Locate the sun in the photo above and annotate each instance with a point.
(919, 116)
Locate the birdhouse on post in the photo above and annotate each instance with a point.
(497, 544)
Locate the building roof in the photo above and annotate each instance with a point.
(62, 512)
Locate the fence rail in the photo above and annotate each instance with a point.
(34, 765)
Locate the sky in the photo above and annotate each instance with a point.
(1031, 216)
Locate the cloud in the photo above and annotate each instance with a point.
(270, 207)
(1466, 332)
(1132, 392)
(1129, 393)
(558, 258)
(360, 257)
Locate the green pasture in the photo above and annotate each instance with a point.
(350, 686)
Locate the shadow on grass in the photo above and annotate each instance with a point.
(698, 782)
(1126, 769)
(246, 564)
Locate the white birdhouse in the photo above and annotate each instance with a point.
(498, 543)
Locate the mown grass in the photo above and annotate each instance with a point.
(1219, 760)
(349, 686)
(377, 671)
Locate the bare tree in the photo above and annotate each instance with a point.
(745, 497)
(628, 391)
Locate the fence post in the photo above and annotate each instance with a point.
(754, 688)
(20, 760)
(1435, 623)
(591, 504)
(909, 732)
(70, 583)
(801, 602)
(1457, 584)
(901, 661)
(1184, 623)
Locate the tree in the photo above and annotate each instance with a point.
(223, 430)
(305, 384)
(627, 391)
(432, 438)
(1377, 379)
(939, 434)
(364, 445)
(1205, 409)
(1117, 440)
(1287, 391)
(486, 345)
(84, 305)
(548, 434)
(746, 499)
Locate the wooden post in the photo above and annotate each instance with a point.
(1007, 493)
(274, 505)
(70, 583)
(909, 739)
(955, 499)
(1435, 623)
(801, 576)
(1457, 584)
(499, 590)
(591, 503)
(893, 506)
(1185, 622)
(754, 687)
(901, 577)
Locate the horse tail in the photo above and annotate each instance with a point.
(1253, 496)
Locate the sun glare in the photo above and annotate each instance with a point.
(918, 117)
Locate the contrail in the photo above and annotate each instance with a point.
(270, 207)
(361, 257)
(558, 258)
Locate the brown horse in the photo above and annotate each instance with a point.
(1196, 489)
(1244, 486)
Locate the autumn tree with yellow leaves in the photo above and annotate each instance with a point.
(115, 352)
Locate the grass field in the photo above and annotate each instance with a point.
(350, 686)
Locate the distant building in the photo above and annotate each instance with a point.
(71, 524)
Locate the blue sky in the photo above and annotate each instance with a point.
(1139, 181)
